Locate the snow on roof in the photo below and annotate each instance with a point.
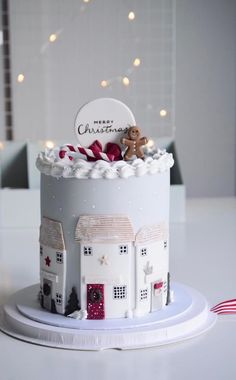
(104, 228)
(51, 234)
(152, 233)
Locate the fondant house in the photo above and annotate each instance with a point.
(119, 274)
(151, 246)
(106, 251)
(52, 265)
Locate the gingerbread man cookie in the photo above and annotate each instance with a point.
(134, 143)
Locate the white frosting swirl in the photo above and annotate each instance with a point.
(49, 163)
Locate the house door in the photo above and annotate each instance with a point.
(95, 301)
(47, 294)
(157, 295)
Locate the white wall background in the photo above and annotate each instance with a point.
(2, 134)
(99, 42)
(96, 41)
(206, 95)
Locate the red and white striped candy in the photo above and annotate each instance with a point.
(226, 307)
(66, 149)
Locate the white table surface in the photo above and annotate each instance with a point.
(203, 255)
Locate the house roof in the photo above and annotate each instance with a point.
(152, 233)
(51, 234)
(104, 228)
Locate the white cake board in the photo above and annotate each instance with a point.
(186, 317)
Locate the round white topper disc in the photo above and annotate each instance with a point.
(103, 119)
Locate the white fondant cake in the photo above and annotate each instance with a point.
(104, 236)
(104, 245)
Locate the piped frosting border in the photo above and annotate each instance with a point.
(49, 163)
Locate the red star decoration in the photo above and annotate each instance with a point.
(47, 261)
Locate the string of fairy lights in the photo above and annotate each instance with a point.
(125, 79)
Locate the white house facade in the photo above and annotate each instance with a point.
(152, 262)
(107, 258)
(52, 266)
(121, 274)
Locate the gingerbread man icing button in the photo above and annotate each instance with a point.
(134, 143)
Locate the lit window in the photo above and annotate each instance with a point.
(143, 294)
(119, 292)
(123, 249)
(143, 251)
(59, 298)
(88, 251)
(59, 257)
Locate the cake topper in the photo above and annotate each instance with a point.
(103, 119)
(134, 143)
(99, 126)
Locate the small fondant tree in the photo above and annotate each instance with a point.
(53, 307)
(73, 302)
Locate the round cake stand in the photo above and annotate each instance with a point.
(185, 317)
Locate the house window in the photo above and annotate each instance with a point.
(143, 251)
(143, 294)
(41, 250)
(165, 244)
(123, 249)
(88, 251)
(119, 292)
(59, 257)
(59, 298)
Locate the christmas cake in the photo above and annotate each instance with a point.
(104, 234)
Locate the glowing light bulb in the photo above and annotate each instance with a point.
(104, 83)
(125, 81)
(163, 113)
(49, 144)
(1, 145)
(86, 1)
(20, 78)
(137, 62)
(150, 143)
(131, 16)
(52, 37)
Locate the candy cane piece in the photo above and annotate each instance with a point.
(86, 151)
(65, 149)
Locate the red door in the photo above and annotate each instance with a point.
(95, 301)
